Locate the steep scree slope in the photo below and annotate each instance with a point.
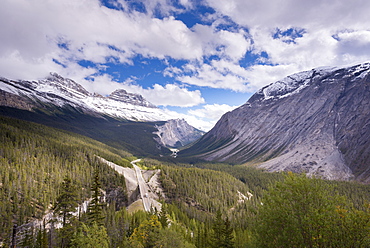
(317, 122)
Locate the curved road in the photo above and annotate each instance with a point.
(144, 192)
(143, 188)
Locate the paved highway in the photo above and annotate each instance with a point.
(144, 192)
(143, 188)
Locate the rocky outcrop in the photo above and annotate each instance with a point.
(317, 122)
(134, 99)
(176, 133)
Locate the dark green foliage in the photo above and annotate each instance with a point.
(66, 203)
(163, 217)
(222, 235)
(95, 209)
(135, 137)
(41, 239)
(303, 212)
(92, 236)
(257, 180)
(217, 237)
(35, 159)
(147, 234)
(41, 167)
(228, 236)
(205, 190)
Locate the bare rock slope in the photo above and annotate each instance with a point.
(176, 133)
(317, 122)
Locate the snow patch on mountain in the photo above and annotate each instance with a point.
(293, 84)
(61, 91)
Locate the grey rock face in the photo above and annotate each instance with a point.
(177, 133)
(317, 122)
(135, 99)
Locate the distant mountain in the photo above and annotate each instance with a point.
(121, 119)
(317, 122)
(62, 92)
(177, 133)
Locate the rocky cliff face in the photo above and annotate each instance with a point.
(177, 133)
(317, 122)
(134, 99)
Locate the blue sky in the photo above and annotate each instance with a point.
(195, 59)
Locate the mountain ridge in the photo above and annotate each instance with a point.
(122, 119)
(317, 122)
(60, 91)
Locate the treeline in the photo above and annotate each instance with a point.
(34, 159)
(104, 225)
(328, 213)
(208, 205)
(259, 181)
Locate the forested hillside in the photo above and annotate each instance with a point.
(206, 205)
(135, 137)
(34, 160)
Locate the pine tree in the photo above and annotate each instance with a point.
(163, 217)
(228, 237)
(304, 212)
(222, 235)
(218, 229)
(95, 210)
(147, 233)
(41, 238)
(66, 202)
(91, 237)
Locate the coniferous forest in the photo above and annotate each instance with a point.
(46, 171)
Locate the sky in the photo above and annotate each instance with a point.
(194, 59)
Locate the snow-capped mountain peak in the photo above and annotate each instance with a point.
(135, 99)
(61, 92)
(295, 83)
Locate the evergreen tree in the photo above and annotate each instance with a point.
(41, 239)
(222, 235)
(228, 236)
(218, 227)
(28, 238)
(147, 233)
(304, 212)
(95, 210)
(66, 203)
(91, 237)
(163, 217)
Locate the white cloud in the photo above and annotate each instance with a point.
(335, 33)
(218, 74)
(212, 112)
(35, 34)
(204, 118)
(199, 123)
(223, 43)
(354, 45)
(168, 95)
(225, 74)
(296, 13)
(15, 66)
(92, 32)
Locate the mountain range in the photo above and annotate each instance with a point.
(123, 119)
(315, 122)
